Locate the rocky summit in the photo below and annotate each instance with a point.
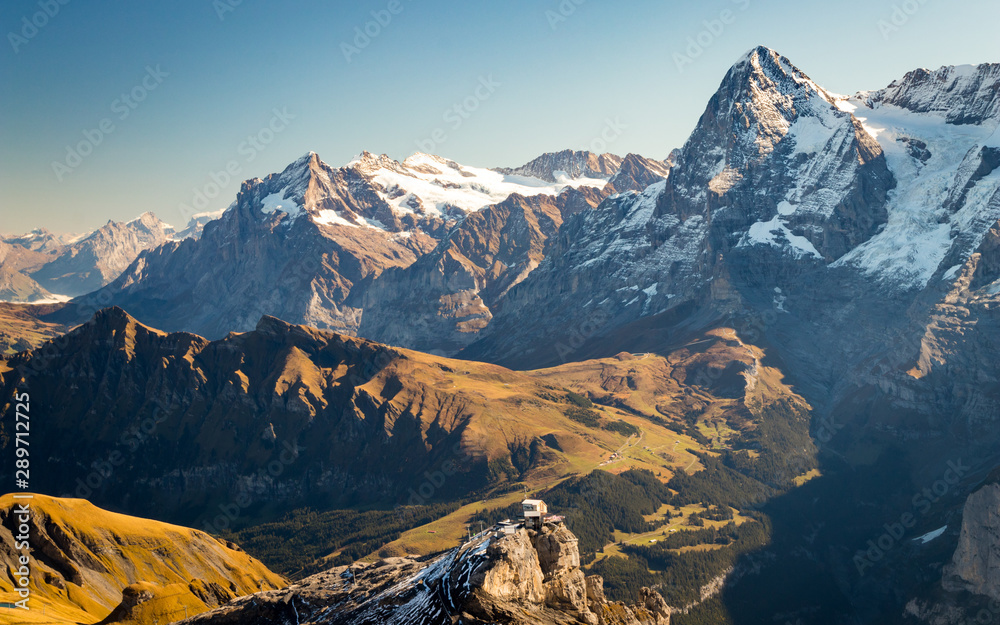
(521, 578)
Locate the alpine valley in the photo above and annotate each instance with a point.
(756, 379)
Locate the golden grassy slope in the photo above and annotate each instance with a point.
(716, 377)
(84, 557)
(20, 327)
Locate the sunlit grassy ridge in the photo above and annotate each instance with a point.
(708, 397)
(21, 329)
(84, 557)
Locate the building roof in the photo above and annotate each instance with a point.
(532, 502)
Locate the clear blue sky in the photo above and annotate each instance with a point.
(559, 81)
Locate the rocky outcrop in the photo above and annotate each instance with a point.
(636, 173)
(514, 573)
(493, 578)
(975, 565)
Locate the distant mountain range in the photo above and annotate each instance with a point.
(840, 251)
(42, 266)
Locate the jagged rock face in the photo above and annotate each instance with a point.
(514, 574)
(963, 94)
(39, 240)
(297, 244)
(574, 164)
(557, 551)
(606, 266)
(636, 173)
(975, 566)
(835, 225)
(490, 579)
(942, 383)
(448, 295)
(286, 247)
(775, 182)
(774, 153)
(70, 265)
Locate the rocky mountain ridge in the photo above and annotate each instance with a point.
(521, 578)
(323, 235)
(567, 164)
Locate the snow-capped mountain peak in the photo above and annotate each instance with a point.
(961, 94)
(938, 131)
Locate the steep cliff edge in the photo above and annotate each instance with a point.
(519, 578)
(975, 567)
